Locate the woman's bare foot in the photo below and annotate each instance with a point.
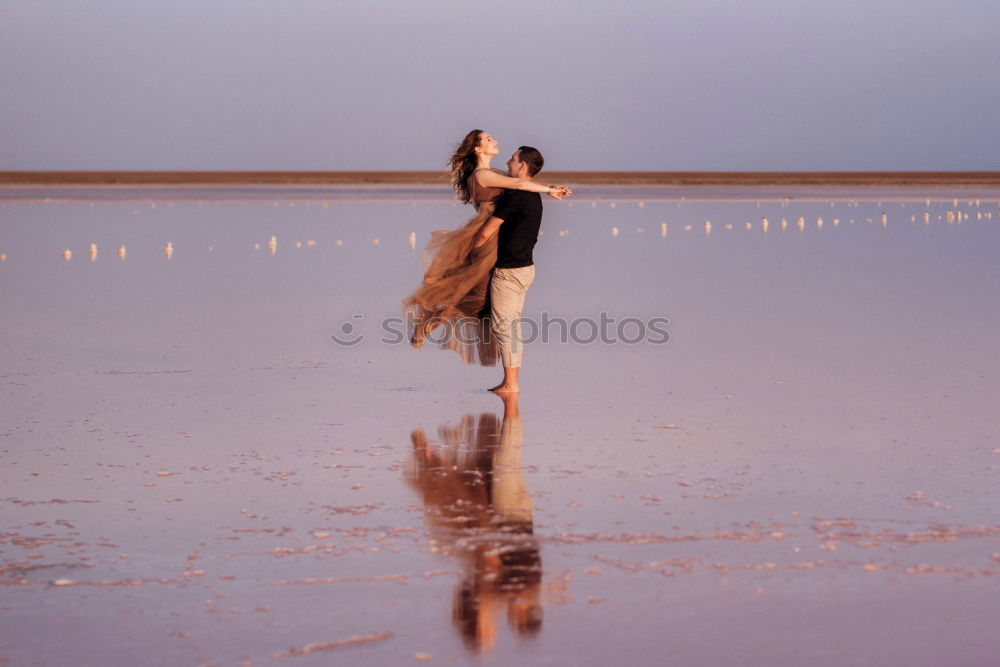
(504, 388)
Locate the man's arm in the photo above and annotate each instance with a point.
(487, 231)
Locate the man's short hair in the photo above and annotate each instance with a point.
(532, 158)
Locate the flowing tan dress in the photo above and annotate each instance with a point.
(456, 285)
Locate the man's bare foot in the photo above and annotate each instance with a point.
(509, 384)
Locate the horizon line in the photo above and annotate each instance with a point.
(429, 177)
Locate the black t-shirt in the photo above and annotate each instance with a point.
(521, 213)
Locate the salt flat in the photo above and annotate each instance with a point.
(804, 469)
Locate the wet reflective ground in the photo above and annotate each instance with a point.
(194, 472)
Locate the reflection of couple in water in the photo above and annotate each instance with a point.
(477, 275)
(479, 510)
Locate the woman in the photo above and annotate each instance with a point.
(457, 277)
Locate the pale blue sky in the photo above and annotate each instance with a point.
(343, 84)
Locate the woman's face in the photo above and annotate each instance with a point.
(487, 144)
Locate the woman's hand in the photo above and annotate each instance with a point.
(559, 191)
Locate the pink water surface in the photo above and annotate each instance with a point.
(194, 472)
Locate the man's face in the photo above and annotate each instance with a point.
(516, 168)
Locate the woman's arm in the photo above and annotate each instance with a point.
(491, 179)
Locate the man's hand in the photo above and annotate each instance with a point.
(487, 231)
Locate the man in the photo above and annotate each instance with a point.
(518, 216)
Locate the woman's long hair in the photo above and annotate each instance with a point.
(463, 163)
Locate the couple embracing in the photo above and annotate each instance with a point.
(477, 275)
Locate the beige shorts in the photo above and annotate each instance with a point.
(507, 290)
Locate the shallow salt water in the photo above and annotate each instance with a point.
(195, 472)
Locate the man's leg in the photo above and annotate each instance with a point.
(507, 291)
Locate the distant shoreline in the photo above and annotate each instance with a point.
(111, 178)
